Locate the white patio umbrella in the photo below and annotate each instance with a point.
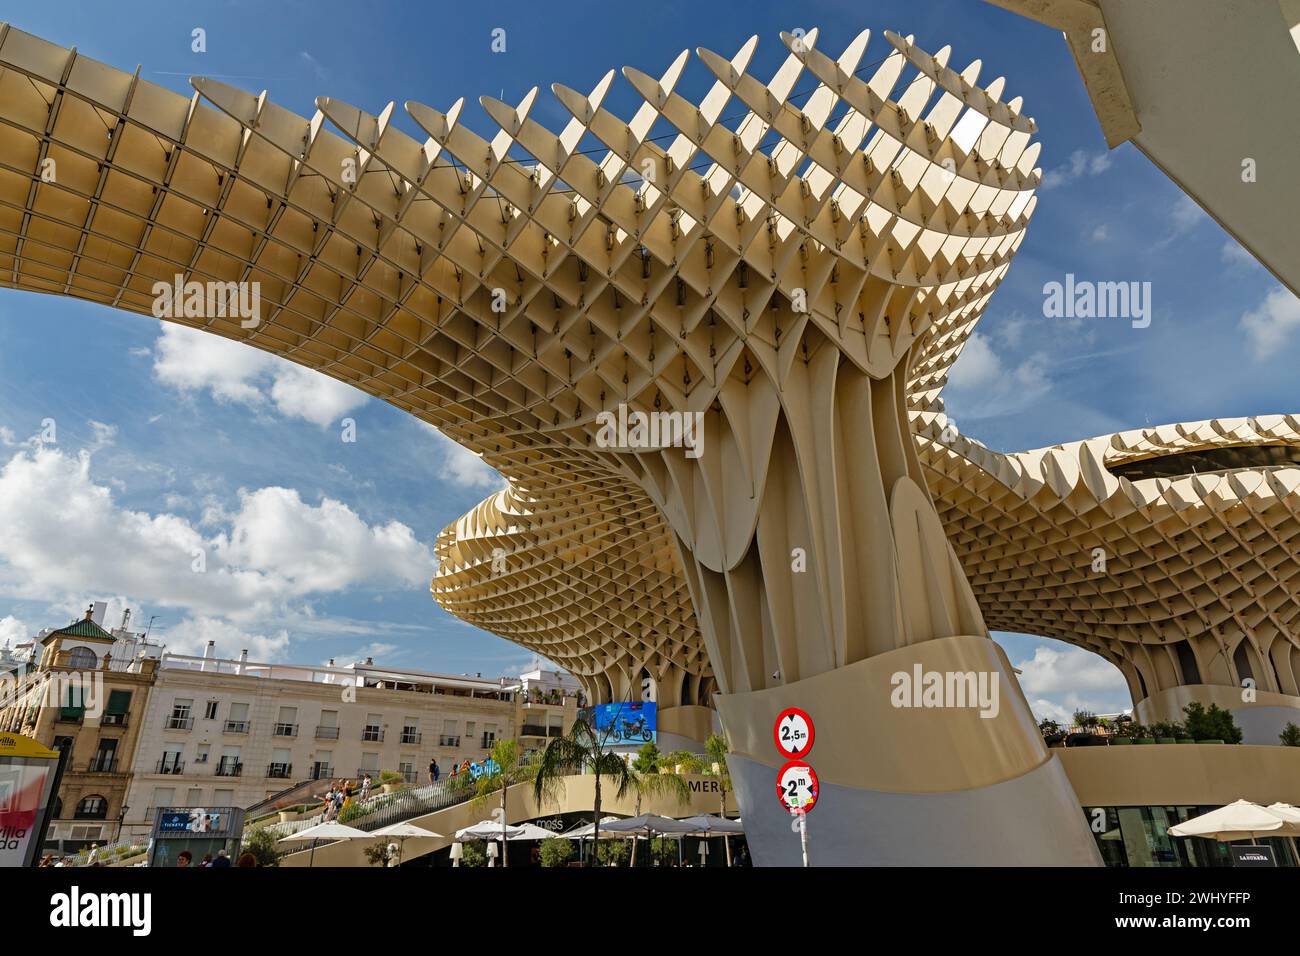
(325, 831)
(1292, 829)
(402, 832)
(529, 831)
(584, 832)
(1240, 820)
(488, 830)
(649, 824)
(709, 824)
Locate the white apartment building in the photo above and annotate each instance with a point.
(220, 732)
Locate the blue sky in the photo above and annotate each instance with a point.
(165, 440)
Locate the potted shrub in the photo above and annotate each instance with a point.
(1051, 732)
(1211, 726)
(1290, 735)
(390, 781)
(556, 851)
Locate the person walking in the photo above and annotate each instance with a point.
(222, 861)
(365, 788)
(434, 771)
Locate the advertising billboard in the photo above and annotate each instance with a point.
(29, 777)
(629, 722)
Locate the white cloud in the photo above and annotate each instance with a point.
(464, 467)
(980, 384)
(1059, 681)
(65, 535)
(13, 631)
(1270, 325)
(190, 361)
(1081, 164)
(1234, 253)
(191, 636)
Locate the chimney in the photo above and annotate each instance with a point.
(370, 662)
(331, 662)
(207, 654)
(90, 609)
(243, 659)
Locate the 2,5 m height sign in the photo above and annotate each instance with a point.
(793, 733)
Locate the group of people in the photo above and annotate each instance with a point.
(339, 795)
(222, 860)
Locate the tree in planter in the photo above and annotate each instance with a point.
(1085, 719)
(473, 853)
(507, 768)
(261, 843)
(1213, 723)
(613, 852)
(663, 850)
(583, 749)
(649, 779)
(1290, 735)
(1049, 728)
(377, 853)
(556, 851)
(1167, 729)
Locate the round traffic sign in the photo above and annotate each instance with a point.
(796, 787)
(793, 733)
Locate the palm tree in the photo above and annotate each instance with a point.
(584, 749)
(507, 769)
(716, 747)
(649, 778)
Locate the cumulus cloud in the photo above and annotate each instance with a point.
(1059, 681)
(194, 361)
(1269, 326)
(13, 631)
(192, 634)
(64, 532)
(1081, 164)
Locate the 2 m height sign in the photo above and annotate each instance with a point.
(793, 733)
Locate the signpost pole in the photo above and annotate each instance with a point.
(803, 836)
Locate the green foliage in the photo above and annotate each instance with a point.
(582, 750)
(1048, 727)
(1212, 724)
(377, 853)
(389, 776)
(1290, 735)
(261, 843)
(613, 852)
(1168, 728)
(663, 850)
(556, 851)
(1085, 718)
(647, 760)
(474, 854)
(683, 761)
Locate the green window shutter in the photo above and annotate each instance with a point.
(119, 702)
(75, 707)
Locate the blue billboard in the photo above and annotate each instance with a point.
(625, 723)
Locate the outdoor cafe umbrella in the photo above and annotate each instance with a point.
(584, 832)
(1240, 820)
(491, 831)
(649, 824)
(325, 831)
(529, 831)
(708, 825)
(1292, 817)
(403, 832)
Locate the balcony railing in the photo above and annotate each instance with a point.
(285, 730)
(488, 741)
(236, 727)
(171, 766)
(229, 769)
(327, 733)
(411, 737)
(113, 720)
(447, 741)
(281, 771)
(102, 764)
(322, 772)
(373, 734)
(175, 722)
